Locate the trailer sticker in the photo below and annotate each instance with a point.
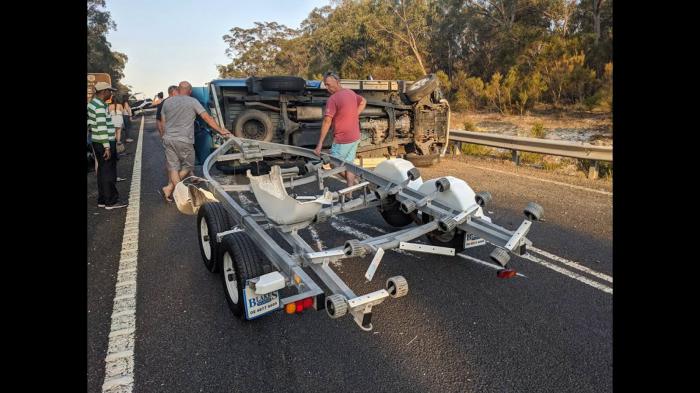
(259, 305)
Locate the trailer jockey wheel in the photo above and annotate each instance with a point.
(397, 286)
(336, 306)
(533, 211)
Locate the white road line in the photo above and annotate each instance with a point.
(569, 273)
(567, 262)
(491, 265)
(542, 180)
(119, 362)
(315, 237)
(572, 264)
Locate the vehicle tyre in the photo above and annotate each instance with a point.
(240, 260)
(397, 286)
(254, 124)
(423, 161)
(283, 83)
(422, 87)
(211, 219)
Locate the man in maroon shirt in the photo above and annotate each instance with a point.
(343, 110)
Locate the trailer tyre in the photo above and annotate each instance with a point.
(211, 219)
(392, 214)
(422, 87)
(397, 286)
(336, 306)
(254, 124)
(452, 239)
(241, 260)
(283, 83)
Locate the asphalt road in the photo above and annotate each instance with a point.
(460, 328)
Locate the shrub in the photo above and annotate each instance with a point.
(538, 130)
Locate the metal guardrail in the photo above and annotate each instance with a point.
(579, 150)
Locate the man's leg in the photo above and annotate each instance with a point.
(98, 151)
(109, 173)
(173, 167)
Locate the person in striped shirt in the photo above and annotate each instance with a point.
(104, 147)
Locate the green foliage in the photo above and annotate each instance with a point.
(507, 55)
(100, 56)
(538, 130)
(469, 125)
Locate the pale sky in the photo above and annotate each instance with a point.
(170, 41)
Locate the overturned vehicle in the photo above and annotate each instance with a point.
(402, 118)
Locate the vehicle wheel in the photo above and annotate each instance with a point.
(422, 87)
(283, 83)
(336, 306)
(425, 160)
(392, 214)
(211, 219)
(254, 124)
(241, 260)
(452, 239)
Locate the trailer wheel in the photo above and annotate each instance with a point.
(390, 211)
(211, 219)
(452, 239)
(397, 286)
(240, 261)
(336, 306)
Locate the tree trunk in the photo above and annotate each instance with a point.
(597, 7)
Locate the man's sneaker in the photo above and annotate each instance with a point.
(100, 205)
(120, 178)
(117, 205)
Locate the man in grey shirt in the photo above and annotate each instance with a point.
(178, 116)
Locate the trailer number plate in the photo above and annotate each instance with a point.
(259, 305)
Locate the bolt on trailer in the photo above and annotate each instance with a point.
(260, 276)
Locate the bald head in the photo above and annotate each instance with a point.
(184, 88)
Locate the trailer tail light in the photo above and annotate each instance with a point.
(506, 273)
(299, 306)
(290, 308)
(308, 302)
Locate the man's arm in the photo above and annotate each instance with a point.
(210, 121)
(361, 106)
(327, 121)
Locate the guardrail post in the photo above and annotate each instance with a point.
(516, 157)
(457, 148)
(593, 170)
